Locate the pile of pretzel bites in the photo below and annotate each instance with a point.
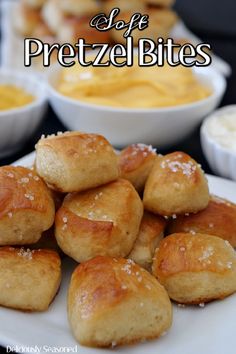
(142, 227)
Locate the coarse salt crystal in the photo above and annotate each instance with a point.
(130, 261)
(206, 254)
(49, 136)
(127, 269)
(202, 305)
(29, 196)
(27, 254)
(181, 305)
(134, 153)
(113, 344)
(24, 180)
(187, 168)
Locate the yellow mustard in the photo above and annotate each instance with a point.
(13, 97)
(132, 87)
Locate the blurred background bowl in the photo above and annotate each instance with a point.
(18, 124)
(222, 160)
(160, 127)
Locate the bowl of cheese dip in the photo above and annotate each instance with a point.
(22, 106)
(13, 97)
(132, 87)
(156, 105)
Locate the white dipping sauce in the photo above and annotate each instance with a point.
(222, 128)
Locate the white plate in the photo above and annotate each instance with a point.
(13, 49)
(209, 330)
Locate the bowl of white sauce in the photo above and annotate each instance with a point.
(218, 138)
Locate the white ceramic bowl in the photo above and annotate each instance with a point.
(159, 127)
(17, 125)
(221, 159)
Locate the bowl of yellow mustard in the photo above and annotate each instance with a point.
(23, 103)
(155, 105)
